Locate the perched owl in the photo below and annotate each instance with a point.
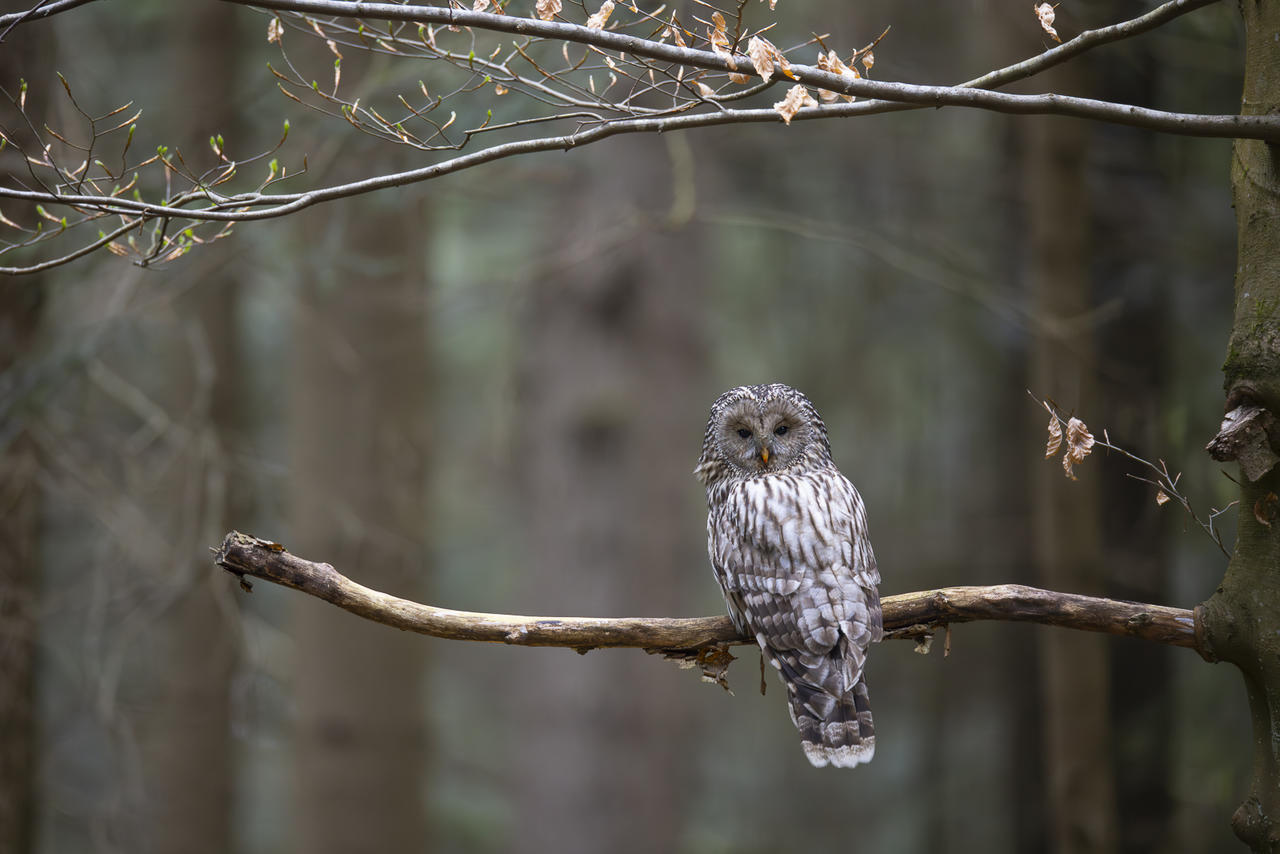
(787, 534)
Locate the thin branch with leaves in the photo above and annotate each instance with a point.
(1071, 435)
(528, 75)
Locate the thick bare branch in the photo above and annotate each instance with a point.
(43, 9)
(910, 615)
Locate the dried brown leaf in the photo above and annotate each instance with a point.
(1162, 498)
(704, 90)
(797, 98)
(1079, 440)
(1055, 437)
(275, 29)
(868, 60)
(832, 63)
(601, 17)
(548, 9)
(761, 52)
(718, 35)
(1046, 15)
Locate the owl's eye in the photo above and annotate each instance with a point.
(781, 430)
(744, 432)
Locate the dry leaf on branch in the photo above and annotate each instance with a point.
(1079, 443)
(1162, 498)
(797, 98)
(1079, 440)
(275, 30)
(718, 35)
(1055, 437)
(833, 64)
(548, 9)
(1046, 15)
(764, 55)
(601, 17)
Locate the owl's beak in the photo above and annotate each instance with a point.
(764, 455)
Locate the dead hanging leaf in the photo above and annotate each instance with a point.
(1046, 15)
(1162, 498)
(773, 5)
(1055, 437)
(868, 60)
(480, 5)
(761, 52)
(797, 98)
(675, 31)
(275, 30)
(1264, 509)
(833, 64)
(704, 90)
(601, 17)
(1079, 440)
(718, 35)
(548, 9)
(764, 55)
(1079, 443)
(499, 89)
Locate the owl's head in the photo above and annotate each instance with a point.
(762, 429)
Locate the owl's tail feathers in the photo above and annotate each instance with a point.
(834, 731)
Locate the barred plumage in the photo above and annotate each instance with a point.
(787, 536)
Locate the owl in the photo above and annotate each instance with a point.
(787, 535)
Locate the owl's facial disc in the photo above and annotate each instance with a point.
(763, 437)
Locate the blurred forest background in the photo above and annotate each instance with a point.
(488, 392)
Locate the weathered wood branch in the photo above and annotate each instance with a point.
(908, 615)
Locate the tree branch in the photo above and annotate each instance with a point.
(910, 615)
(1229, 126)
(894, 97)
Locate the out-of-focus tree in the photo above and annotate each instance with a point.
(360, 443)
(608, 376)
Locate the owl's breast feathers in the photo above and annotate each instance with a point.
(792, 555)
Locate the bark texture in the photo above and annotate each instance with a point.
(1242, 620)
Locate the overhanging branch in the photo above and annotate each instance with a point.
(909, 615)
(1229, 126)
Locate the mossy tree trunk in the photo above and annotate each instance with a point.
(1242, 620)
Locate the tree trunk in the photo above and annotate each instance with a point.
(1073, 665)
(186, 744)
(19, 527)
(1242, 620)
(605, 401)
(20, 504)
(359, 443)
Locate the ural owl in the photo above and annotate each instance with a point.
(787, 535)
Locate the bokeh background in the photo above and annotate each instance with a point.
(488, 392)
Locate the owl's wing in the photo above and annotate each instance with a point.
(793, 557)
